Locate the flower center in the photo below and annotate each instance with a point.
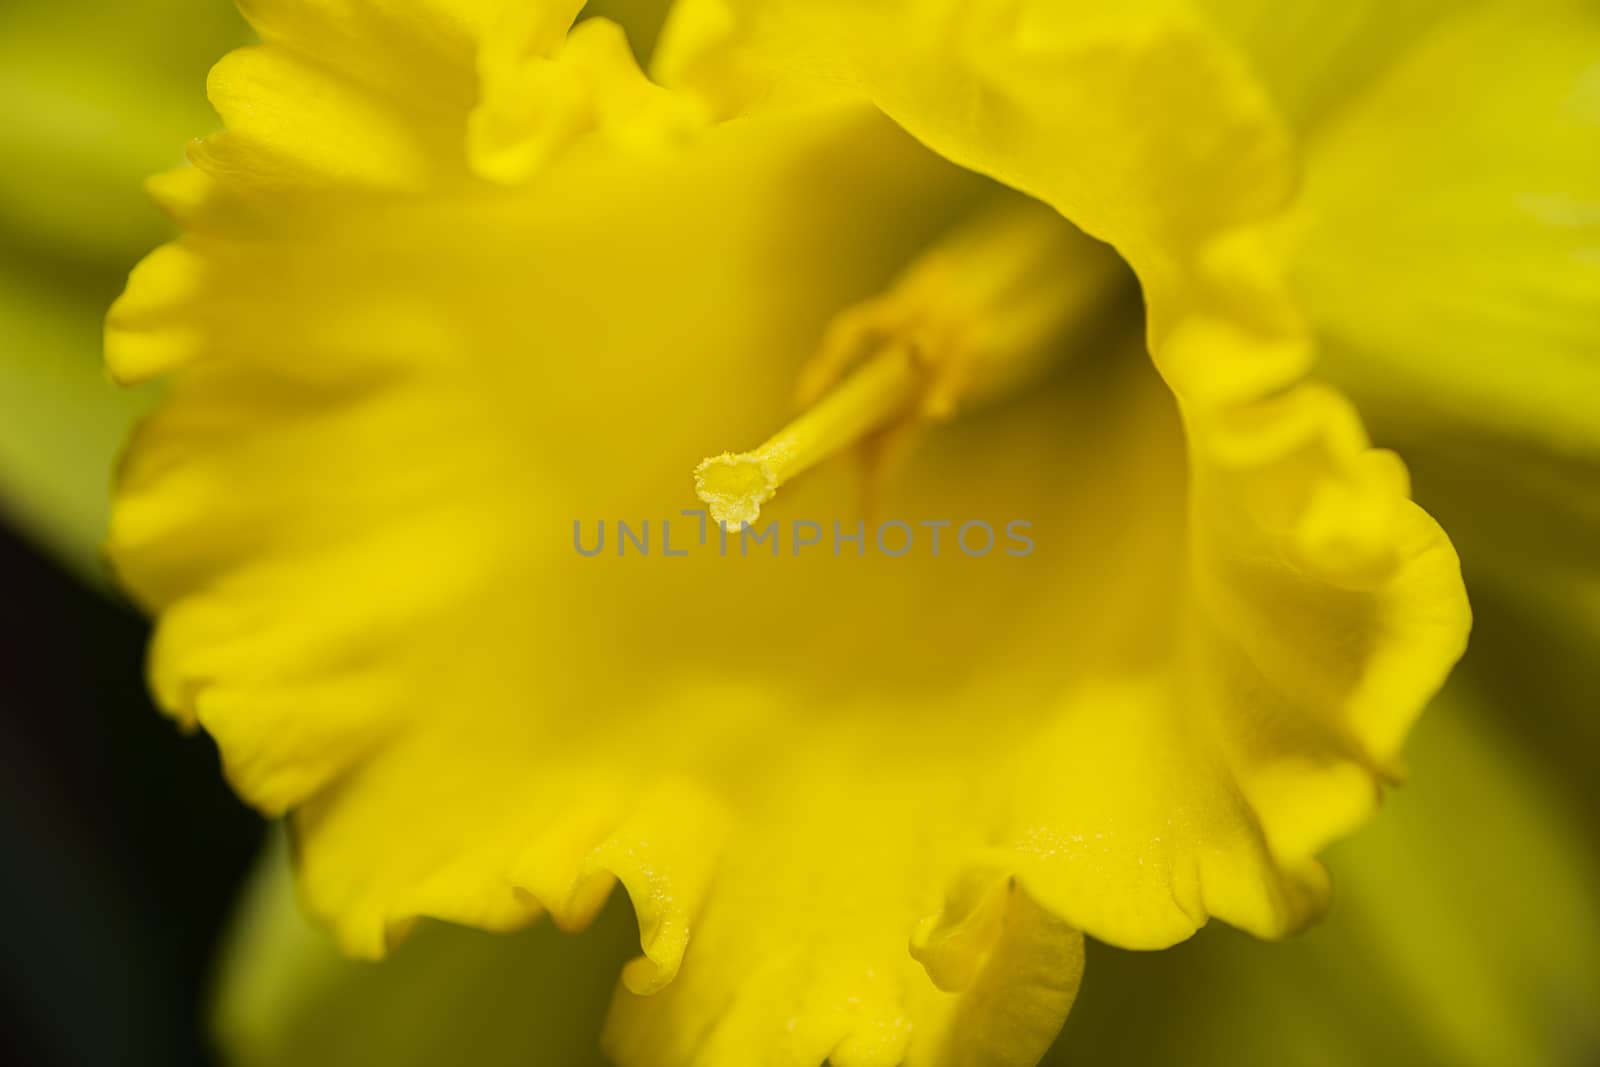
(982, 314)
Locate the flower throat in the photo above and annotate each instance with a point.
(986, 311)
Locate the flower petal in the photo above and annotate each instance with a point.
(1313, 57)
(1458, 293)
(1327, 608)
(405, 735)
(800, 952)
(1141, 124)
(421, 52)
(399, 385)
(291, 121)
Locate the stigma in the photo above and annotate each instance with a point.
(985, 312)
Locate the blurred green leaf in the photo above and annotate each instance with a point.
(95, 95)
(286, 998)
(61, 420)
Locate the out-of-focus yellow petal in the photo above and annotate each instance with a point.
(291, 121)
(1314, 56)
(1140, 123)
(1447, 246)
(420, 52)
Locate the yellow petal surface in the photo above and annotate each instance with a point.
(1313, 58)
(806, 927)
(498, 797)
(1369, 986)
(1327, 607)
(1459, 292)
(420, 338)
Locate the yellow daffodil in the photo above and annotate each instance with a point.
(462, 291)
(1404, 972)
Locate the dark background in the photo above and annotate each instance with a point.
(122, 844)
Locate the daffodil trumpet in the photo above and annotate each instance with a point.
(984, 313)
(459, 272)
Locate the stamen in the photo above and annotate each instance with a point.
(878, 395)
(982, 314)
